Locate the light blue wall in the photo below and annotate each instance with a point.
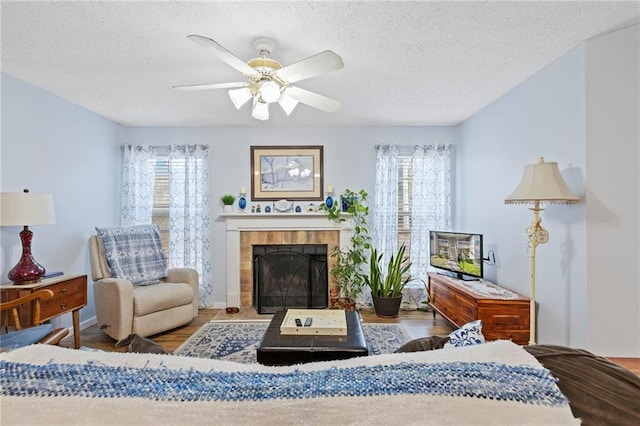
(349, 160)
(52, 146)
(542, 117)
(582, 111)
(613, 191)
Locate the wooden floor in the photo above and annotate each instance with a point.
(416, 323)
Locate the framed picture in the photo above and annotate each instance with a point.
(286, 172)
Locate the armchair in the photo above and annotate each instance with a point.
(124, 308)
(39, 333)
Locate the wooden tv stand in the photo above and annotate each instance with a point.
(504, 313)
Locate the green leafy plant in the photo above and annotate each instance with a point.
(426, 307)
(391, 283)
(349, 262)
(228, 199)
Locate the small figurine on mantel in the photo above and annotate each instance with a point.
(258, 209)
(253, 209)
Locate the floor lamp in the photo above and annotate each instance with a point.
(541, 183)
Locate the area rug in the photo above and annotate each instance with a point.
(238, 341)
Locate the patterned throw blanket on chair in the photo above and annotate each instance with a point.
(134, 253)
(496, 383)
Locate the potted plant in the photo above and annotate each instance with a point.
(349, 262)
(386, 287)
(227, 203)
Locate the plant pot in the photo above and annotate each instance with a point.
(347, 304)
(387, 307)
(227, 209)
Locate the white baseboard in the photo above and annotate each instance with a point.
(217, 305)
(83, 324)
(88, 322)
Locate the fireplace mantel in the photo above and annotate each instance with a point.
(236, 223)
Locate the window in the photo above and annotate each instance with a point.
(169, 186)
(412, 196)
(160, 215)
(404, 202)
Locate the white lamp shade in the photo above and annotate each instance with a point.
(260, 110)
(542, 182)
(240, 97)
(269, 91)
(26, 209)
(287, 103)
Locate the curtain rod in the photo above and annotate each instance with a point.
(429, 146)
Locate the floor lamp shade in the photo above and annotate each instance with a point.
(26, 209)
(541, 183)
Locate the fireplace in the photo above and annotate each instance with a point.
(289, 276)
(246, 230)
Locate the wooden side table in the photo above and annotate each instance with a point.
(69, 295)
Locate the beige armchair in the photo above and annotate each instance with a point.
(123, 308)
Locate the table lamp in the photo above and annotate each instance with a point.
(541, 183)
(26, 209)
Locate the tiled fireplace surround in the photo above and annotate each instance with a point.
(243, 230)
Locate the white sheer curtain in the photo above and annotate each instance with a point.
(189, 233)
(385, 211)
(138, 180)
(431, 200)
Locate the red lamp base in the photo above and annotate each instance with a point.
(27, 271)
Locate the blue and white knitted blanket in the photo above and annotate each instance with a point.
(498, 380)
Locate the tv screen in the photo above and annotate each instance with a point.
(459, 254)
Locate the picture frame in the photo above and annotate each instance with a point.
(292, 173)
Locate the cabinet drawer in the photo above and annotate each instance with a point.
(506, 321)
(67, 296)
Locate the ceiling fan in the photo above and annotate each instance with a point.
(268, 81)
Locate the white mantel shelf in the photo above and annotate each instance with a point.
(292, 221)
(247, 214)
(242, 222)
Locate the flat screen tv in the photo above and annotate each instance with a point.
(456, 254)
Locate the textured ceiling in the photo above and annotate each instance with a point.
(406, 63)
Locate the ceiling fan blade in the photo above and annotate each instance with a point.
(312, 66)
(224, 55)
(313, 99)
(212, 86)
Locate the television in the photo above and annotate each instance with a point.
(456, 254)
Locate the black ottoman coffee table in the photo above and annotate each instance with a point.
(279, 349)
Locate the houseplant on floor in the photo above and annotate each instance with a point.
(386, 287)
(349, 261)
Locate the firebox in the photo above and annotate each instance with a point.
(290, 276)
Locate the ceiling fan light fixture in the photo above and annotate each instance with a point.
(240, 97)
(260, 110)
(269, 91)
(287, 103)
(268, 80)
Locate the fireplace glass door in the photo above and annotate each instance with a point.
(290, 276)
